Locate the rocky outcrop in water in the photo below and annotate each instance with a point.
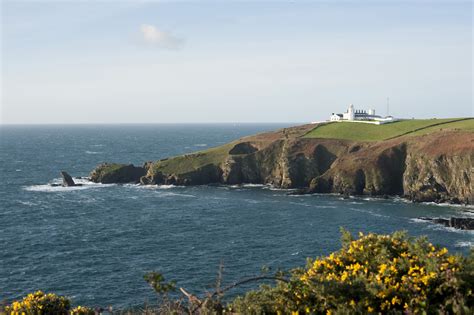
(67, 180)
(435, 167)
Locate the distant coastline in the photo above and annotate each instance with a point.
(422, 160)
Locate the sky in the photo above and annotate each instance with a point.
(232, 61)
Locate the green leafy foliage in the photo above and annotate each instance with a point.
(157, 281)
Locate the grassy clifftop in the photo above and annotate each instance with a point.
(369, 132)
(359, 132)
(424, 160)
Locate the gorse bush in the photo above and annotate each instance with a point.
(374, 274)
(388, 274)
(40, 303)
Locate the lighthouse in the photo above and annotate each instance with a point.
(350, 114)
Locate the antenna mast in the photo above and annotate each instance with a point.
(388, 106)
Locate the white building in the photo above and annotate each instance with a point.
(360, 115)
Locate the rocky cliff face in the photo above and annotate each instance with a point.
(107, 173)
(436, 167)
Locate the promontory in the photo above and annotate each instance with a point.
(422, 160)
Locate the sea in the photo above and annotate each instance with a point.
(95, 243)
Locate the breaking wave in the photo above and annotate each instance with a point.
(53, 186)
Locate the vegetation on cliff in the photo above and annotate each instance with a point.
(369, 132)
(423, 160)
(107, 173)
(374, 274)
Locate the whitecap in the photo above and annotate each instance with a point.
(440, 227)
(52, 187)
(49, 188)
(153, 186)
(295, 253)
(172, 194)
(451, 205)
(27, 203)
(168, 186)
(464, 244)
(253, 185)
(17, 170)
(93, 152)
(417, 220)
(370, 212)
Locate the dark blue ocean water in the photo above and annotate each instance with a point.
(95, 243)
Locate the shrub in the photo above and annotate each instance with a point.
(82, 310)
(384, 274)
(375, 273)
(39, 303)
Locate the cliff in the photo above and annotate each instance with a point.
(427, 164)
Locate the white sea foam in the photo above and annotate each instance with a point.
(93, 152)
(173, 194)
(370, 212)
(451, 205)
(27, 203)
(50, 187)
(440, 227)
(416, 220)
(253, 185)
(464, 244)
(168, 186)
(153, 187)
(201, 145)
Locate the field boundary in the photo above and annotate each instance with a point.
(426, 127)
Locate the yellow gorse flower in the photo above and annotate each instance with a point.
(401, 274)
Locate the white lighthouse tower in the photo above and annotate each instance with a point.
(350, 114)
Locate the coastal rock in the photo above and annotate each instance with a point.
(67, 179)
(457, 223)
(243, 148)
(117, 173)
(439, 178)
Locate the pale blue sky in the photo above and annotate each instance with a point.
(216, 61)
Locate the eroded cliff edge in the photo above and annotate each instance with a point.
(432, 167)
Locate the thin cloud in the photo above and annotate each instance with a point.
(154, 36)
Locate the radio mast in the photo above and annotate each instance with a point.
(388, 106)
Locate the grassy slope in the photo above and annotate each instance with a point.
(189, 162)
(369, 132)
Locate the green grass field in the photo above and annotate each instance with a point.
(369, 132)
